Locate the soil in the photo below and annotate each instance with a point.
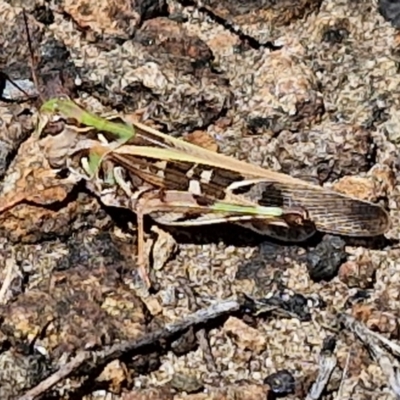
(308, 88)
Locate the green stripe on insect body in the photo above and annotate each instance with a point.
(69, 109)
(258, 211)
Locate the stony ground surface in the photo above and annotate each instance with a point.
(311, 89)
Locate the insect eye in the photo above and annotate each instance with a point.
(63, 173)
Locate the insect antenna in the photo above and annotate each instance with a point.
(33, 58)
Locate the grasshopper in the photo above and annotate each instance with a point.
(166, 162)
(186, 185)
(180, 184)
(169, 203)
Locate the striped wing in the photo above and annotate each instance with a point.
(331, 212)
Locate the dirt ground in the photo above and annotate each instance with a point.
(309, 88)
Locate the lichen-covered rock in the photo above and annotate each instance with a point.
(261, 20)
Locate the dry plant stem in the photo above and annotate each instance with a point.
(32, 58)
(327, 364)
(345, 370)
(353, 325)
(373, 342)
(142, 259)
(61, 374)
(89, 361)
(10, 265)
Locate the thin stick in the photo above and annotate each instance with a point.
(141, 260)
(61, 374)
(94, 360)
(7, 280)
(32, 58)
(375, 343)
(344, 376)
(327, 363)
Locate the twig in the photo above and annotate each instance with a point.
(327, 363)
(199, 317)
(373, 341)
(7, 280)
(346, 368)
(61, 374)
(93, 360)
(32, 57)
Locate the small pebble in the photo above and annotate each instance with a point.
(282, 382)
(324, 261)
